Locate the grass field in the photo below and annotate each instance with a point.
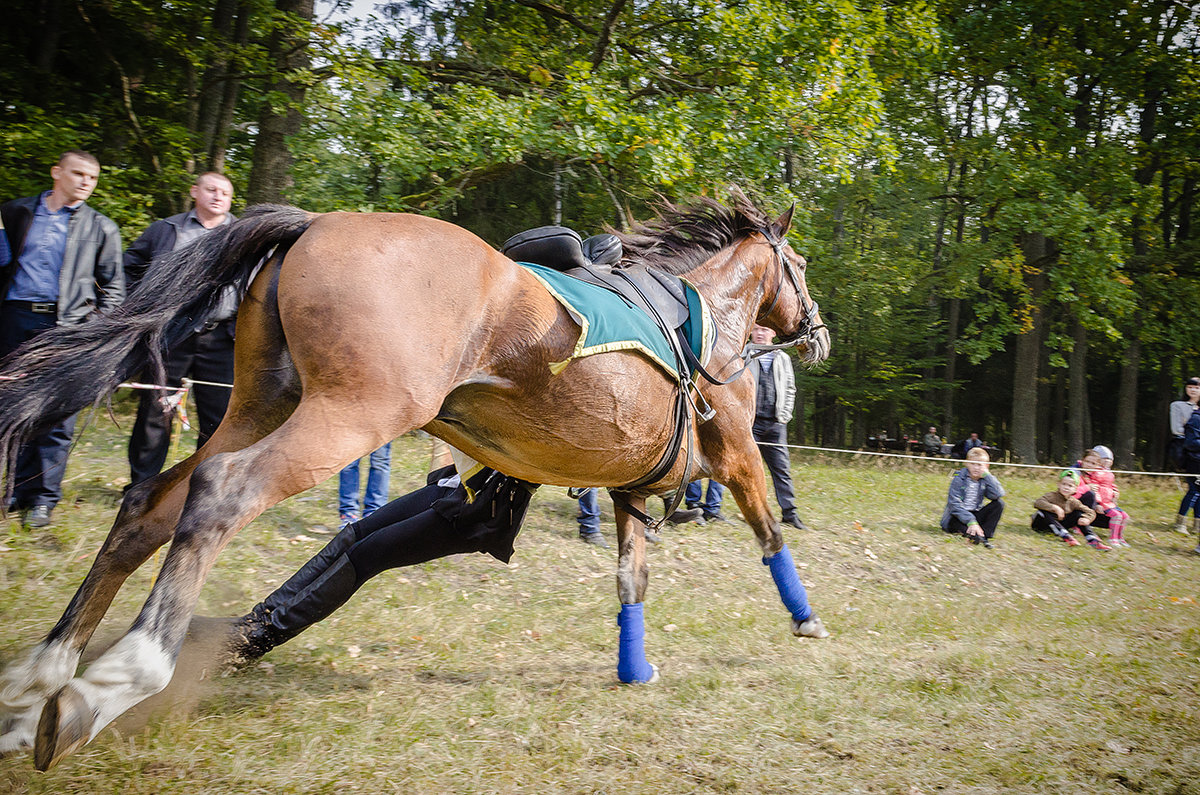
(1033, 667)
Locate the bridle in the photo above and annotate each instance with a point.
(809, 327)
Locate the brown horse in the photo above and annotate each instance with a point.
(358, 329)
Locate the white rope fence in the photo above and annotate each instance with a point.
(178, 402)
(959, 462)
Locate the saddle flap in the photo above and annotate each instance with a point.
(662, 291)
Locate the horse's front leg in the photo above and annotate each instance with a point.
(749, 488)
(144, 523)
(633, 574)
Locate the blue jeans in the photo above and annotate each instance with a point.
(41, 461)
(711, 503)
(589, 512)
(376, 494)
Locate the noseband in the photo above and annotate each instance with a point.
(809, 327)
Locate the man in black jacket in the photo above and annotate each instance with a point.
(207, 353)
(65, 264)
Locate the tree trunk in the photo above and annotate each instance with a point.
(1078, 397)
(270, 170)
(47, 35)
(1126, 435)
(1057, 449)
(953, 319)
(218, 145)
(1035, 248)
(1165, 390)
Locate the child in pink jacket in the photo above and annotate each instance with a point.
(1098, 490)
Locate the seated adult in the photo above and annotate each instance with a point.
(932, 442)
(961, 449)
(966, 512)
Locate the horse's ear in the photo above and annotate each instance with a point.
(784, 222)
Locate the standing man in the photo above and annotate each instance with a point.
(775, 396)
(64, 265)
(207, 353)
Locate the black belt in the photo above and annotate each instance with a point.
(41, 307)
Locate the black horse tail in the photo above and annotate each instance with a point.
(68, 368)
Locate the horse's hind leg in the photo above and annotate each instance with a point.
(227, 491)
(145, 522)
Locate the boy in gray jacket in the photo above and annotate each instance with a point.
(966, 513)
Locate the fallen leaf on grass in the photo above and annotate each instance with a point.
(867, 551)
(353, 650)
(1182, 599)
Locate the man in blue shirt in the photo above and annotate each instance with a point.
(64, 264)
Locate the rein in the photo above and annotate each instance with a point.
(749, 353)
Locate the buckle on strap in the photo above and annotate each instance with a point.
(43, 307)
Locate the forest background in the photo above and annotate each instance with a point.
(996, 198)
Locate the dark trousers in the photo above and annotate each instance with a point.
(1044, 521)
(205, 356)
(42, 460)
(988, 517)
(771, 437)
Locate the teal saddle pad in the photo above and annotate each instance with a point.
(610, 324)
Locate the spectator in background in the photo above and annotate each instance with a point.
(64, 263)
(708, 502)
(1191, 465)
(589, 518)
(206, 354)
(1098, 490)
(966, 512)
(774, 398)
(375, 494)
(1177, 458)
(1059, 512)
(965, 446)
(932, 442)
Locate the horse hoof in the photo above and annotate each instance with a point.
(14, 743)
(65, 726)
(812, 628)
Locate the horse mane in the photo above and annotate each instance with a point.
(684, 236)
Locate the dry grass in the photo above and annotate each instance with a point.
(1030, 668)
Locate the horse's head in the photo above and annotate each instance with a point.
(787, 306)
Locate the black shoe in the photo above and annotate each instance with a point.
(595, 539)
(683, 516)
(796, 522)
(38, 516)
(717, 517)
(987, 544)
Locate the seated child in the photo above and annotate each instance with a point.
(1059, 512)
(1098, 490)
(966, 514)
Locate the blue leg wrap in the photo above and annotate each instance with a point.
(791, 590)
(631, 657)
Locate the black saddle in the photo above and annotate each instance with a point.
(596, 260)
